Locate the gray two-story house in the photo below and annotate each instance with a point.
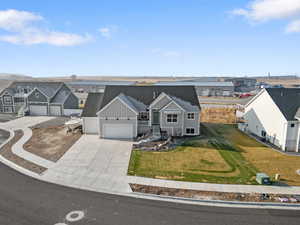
(38, 99)
(130, 111)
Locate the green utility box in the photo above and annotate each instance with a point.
(263, 178)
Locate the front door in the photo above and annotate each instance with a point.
(155, 118)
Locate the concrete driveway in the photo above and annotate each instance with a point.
(24, 122)
(93, 163)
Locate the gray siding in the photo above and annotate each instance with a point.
(189, 123)
(40, 98)
(71, 102)
(161, 103)
(172, 128)
(117, 109)
(143, 127)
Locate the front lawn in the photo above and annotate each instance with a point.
(222, 155)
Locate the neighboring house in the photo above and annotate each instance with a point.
(274, 115)
(96, 86)
(38, 99)
(131, 111)
(205, 88)
(243, 84)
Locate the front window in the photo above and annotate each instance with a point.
(7, 109)
(7, 100)
(190, 130)
(144, 116)
(172, 118)
(191, 116)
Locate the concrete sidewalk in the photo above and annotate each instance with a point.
(23, 124)
(215, 187)
(21, 152)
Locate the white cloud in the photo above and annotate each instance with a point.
(108, 31)
(293, 27)
(24, 29)
(264, 10)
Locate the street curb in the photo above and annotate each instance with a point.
(221, 203)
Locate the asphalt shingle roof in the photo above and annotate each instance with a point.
(92, 104)
(48, 88)
(287, 100)
(139, 96)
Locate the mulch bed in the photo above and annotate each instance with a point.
(211, 195)
(6, 152)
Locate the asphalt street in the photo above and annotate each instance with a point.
(26, 201)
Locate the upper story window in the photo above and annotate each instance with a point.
(191, 116)
(292, 125)
(143, 116)
(18, 100)
(172, 118)
(37, 95)
(7, 100)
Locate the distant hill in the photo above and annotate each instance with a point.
(11, 77)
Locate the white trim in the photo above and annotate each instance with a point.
(255, 97)
(40, 92)
(171, 122)
(116, 98)
(58, 89)
(115, 118)
(172, 101)
(187, 115)
(191, 134)
(163, 94)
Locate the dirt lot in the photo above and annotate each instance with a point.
(50, 140)
(224, 115)
(6, 152)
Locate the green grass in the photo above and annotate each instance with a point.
(161, 165)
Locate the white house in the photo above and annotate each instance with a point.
(274, 115)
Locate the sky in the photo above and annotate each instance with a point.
(150, 38)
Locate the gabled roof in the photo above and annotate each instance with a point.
(140, 97)
(147, 94)
(47, 88)
(185, 105)
(92, 104)
(60, 97)
(287, 100)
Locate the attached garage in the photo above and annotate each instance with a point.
(90, 125)
(118, 131)
(55, 110)
(38, 110)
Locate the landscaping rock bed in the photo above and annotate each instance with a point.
(212, 195)
(161, 145)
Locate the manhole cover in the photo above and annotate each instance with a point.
(298, 172)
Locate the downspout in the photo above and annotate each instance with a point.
(298, 137)
(284, 136)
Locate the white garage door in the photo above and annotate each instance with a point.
(55, 110)
(117, 130)
(38, 110)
